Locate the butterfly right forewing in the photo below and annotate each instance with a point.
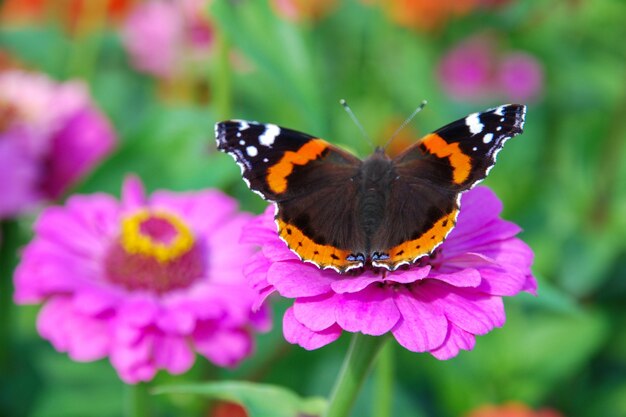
(433, 173)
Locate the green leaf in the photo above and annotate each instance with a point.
(260, 400)
(278, 49)
(45, 48)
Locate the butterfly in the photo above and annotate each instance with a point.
(340, 212)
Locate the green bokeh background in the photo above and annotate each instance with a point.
(563, 181)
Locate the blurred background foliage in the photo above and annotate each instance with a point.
(289, 62)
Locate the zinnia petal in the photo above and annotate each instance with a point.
(296, 332)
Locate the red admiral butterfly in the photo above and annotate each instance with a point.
(340, 212)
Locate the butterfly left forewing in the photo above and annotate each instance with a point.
(308, 179)
(433, 173)
(256, 147)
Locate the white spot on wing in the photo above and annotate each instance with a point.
(473, 123)
(269, 136)
(252, 151)
(242, 142)
(499, 111)
(488, 138)
(243, 125)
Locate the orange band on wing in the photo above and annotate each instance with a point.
(323, 256)
(409, 251)
(278, 173)
(461, 163)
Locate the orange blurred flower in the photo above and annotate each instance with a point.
(404, 138)
(429, 15)
(303, 10)
(223, 409)
(74, 15)
(512, 409)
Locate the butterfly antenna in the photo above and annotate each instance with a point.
(348, 110)
(406, 122)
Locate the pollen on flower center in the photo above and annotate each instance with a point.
(159, 235)
(156, 251)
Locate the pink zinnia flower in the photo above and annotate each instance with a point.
(476, 69)
(161, 36)
(438, 305)
(51, 134)
(144, 281)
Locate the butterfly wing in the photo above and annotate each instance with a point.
(432, 174)
(311, 183)
(460, 154)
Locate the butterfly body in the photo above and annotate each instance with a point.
(338, 211)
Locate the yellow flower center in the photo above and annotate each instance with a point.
(156, 234)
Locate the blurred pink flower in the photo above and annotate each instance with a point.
(477, 70)
(51, 135)
(512, 409)
(437, 306)
(17, 177)
(162, 36)
(520, 77)
(144, 281)
(467, 70)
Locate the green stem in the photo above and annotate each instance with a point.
(383, 382)
(222, 81)
(137, 400)
(9, 243)
(85, 48)
(356, 366)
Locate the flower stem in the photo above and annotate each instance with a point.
(87, 40)
(222, 82)
(8, 260)
(359, 359)
(137, 400)
(382, 402)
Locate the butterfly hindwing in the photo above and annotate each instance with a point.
(424, 225)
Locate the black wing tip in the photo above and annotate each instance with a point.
(220, 134)
(517, 113)
(520, 117)
(222, 131)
